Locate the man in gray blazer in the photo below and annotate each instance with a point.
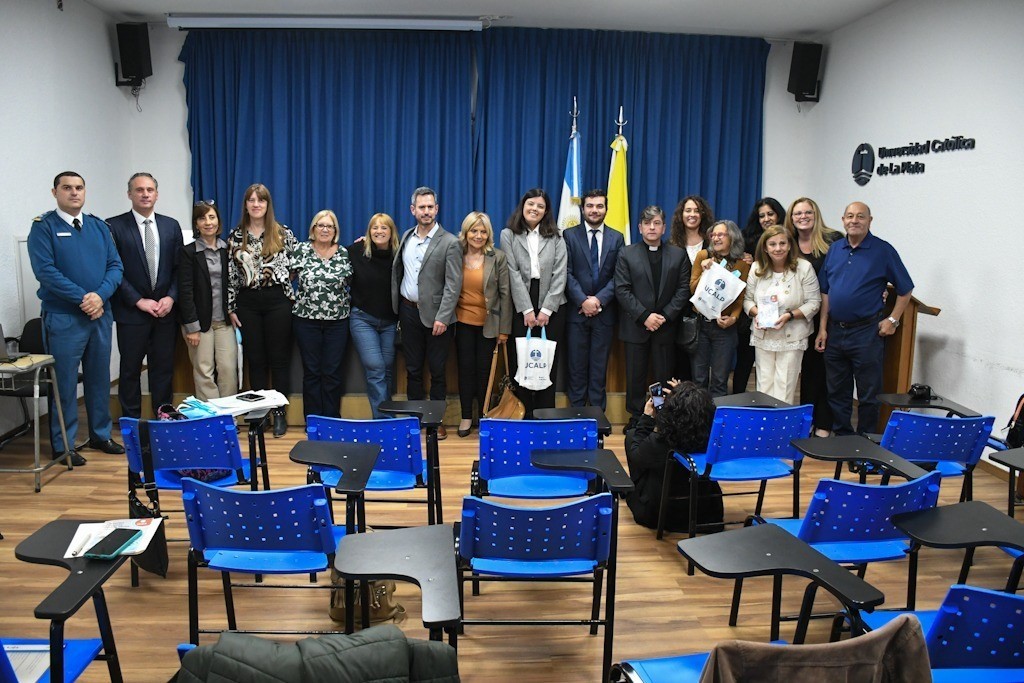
(652, 285)
(425, 286)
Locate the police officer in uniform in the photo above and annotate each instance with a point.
(78, 269)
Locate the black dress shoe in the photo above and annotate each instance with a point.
(76, 459)
(280, 423)
(109, 446)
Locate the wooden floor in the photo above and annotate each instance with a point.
(659, 609)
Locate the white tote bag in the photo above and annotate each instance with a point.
(716, 290)
(534, 357)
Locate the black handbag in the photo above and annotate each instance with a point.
(154, 559)
(686, 333)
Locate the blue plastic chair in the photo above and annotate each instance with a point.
(287, 531)
(78, 655)
(504, 467)
(851, 523)
(976, 634)
(746, 444)
(180, 445)
(203, 443)
(560, 543)
(953, 444)
(400, 466)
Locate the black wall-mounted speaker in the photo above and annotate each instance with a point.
(803, 72)
(133, 48)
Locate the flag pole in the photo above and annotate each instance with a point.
(574, 113)
(620, 122)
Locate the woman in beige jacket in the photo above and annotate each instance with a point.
(782, 296)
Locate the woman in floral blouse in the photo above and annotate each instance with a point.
(322, 305)
(260, 294)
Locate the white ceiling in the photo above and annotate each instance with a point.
(773, 19)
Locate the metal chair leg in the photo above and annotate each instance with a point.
(595, 612)
(229, 600)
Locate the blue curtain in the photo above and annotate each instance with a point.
(693, 106)
(352, 121)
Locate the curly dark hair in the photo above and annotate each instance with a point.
(684, 422)
(677, 233)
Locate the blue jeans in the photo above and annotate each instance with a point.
(713, 359)
(854, 354)
(375, 341)
(322, 347)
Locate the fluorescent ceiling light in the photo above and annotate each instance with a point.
(185, 21)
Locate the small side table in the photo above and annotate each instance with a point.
(1014, 459)
(855, 447)
(423, 555)
(767, 550)
(355, 461)
(431, 416)
(612, 477)
(10, 381)
(750, 399)
(604, 427)
(85, 580)
(964, 525)
(935, 403)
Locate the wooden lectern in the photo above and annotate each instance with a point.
(899, 351)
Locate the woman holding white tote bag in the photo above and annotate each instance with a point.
(716, 339)
(537, 271)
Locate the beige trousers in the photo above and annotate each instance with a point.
(215, 362)
(778, 373)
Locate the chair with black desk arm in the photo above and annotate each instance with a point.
(504, 468)
(177, 447)
(745, 444)
(69, 658)
(287, 531)
(852, 524)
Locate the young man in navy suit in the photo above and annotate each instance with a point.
(591, 250)
(150, 248)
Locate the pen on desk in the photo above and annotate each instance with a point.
(77, 550)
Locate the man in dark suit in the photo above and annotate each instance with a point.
(591, 250)
(652, 285)
(425, 286)
(150, 248)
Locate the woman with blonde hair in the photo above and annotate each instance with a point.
(322, 305)
(812, 239)
(484, 312)
(373, 322)
(260, 294)
(781, 298)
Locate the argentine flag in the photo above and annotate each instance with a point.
(569, 206)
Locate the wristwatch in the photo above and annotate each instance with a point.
(894, 321)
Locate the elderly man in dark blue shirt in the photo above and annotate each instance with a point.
(853, 325)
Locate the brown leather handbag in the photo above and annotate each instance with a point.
(509, 406)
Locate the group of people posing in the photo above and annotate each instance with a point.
(428, 285)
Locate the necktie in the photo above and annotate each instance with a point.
(150, 246)
(78, 224)
(595, 265)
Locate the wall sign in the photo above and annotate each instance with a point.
(864, 157)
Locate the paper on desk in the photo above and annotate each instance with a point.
(30, 661)
(89, 534)
(232, 406)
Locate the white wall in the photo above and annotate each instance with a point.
(62, 111)
(917, 70)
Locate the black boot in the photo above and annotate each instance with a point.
(280, 423)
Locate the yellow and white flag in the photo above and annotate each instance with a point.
(618, 189)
